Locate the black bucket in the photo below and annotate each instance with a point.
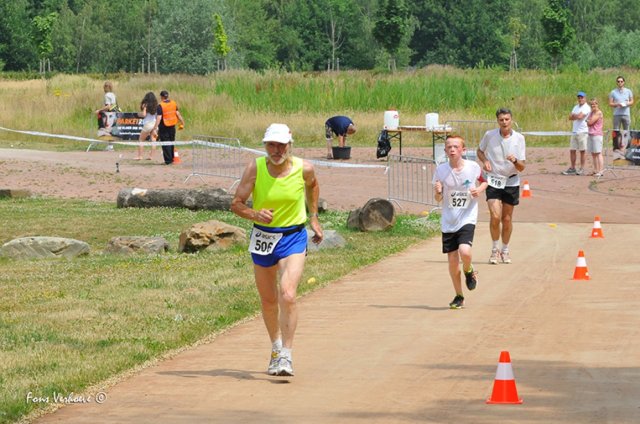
(341, 152)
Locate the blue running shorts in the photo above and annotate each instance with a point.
(294, 240)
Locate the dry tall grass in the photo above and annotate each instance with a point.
(243, 103)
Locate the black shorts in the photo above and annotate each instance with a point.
(509, 195)
(451, 241)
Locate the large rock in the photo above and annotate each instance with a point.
(44, 247)
(323, 205)
(376, 215)
(127, 245)
(14, 193)
(194, 199)
(210, 235)
(331, 240)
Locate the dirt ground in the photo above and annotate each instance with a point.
(381, 345)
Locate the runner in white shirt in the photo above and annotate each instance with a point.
(502, 154)
(457, 183)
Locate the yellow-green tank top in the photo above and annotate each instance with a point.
(285, 195)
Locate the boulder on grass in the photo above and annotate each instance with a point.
(44, 247)
(210, 235)
(331, 240)
(127, 245)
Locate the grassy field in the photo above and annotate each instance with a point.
(66, 325)
(243, 103)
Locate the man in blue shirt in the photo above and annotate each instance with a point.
(340, 126)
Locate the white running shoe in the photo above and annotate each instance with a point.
(285, 367)
(273, 363)
(495, 257)
(506, 259)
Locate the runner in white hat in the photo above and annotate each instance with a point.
(279, 184)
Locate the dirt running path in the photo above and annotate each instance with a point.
(380, 345)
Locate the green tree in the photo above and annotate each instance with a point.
(360, 49)
(220, 39)
(43, 26)
(531, 52)
(253, 32)
(392, 24)
(516, 28)
(17, 50)
(465, 34)
(184, 36)
(558, 31)
(301, 41)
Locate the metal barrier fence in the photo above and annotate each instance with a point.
(219, 157)
(409, 180)
(471, 131)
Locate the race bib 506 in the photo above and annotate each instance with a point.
(263, 243)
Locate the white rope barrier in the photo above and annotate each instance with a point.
(94, 140)
(183, 143)
(548, 133)
(262, 153)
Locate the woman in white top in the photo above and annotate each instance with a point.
(148, 108)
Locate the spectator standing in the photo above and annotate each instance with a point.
(148, 109)
(341, 126)
(502, 153)
(594, 144)
(106, 113)
(108, 105)
(579, 138)
(458, 182)
(167, 116)
(621, 100)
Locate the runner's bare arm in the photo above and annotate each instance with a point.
(312, 192)
(244, 190)
(486, 165)
(438, 191)
(480, 187)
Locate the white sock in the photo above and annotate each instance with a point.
(505, 247)
(277, 345)
(495, 244)
(285, 352)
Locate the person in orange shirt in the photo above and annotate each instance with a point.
(167, 116)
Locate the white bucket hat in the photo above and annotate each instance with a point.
(279, 133)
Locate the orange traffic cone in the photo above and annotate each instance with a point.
(597, 228)
(526, 191)
(176, 157)
(504, 386)
(581, 272)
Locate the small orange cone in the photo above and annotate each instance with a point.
(581, 272)
(176, 156)
(597, 228)
(504, 386)
(526, 191)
